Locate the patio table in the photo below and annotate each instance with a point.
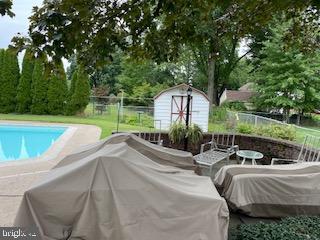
(253, 155)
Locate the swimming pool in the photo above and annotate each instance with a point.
(21, 142)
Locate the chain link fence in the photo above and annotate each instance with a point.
(113, 109)
(255, 120)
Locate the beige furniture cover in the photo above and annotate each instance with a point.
(271, 191)
(117, 193)
(159, 154)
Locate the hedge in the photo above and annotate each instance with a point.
(292, 228)
(57, 90)
(79, 92)
(9, 81)
(39, 89)
(24, 96)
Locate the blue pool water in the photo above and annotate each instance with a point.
(21, 142)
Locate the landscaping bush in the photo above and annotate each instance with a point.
(133, 119)
(245, 128)
(218, 114)
(276, 131)
(57, 90)
(79, 94)
(24, 95)
(39, 89)
(177, 132)
(235, 106)
(9, 81)
(292, 228)
(194, 134)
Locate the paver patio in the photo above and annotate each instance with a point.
(17, 177)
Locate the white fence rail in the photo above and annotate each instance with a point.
(256, 120)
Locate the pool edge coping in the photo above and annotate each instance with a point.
(52, 152)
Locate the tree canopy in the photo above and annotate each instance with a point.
(287, 78)
(157, 29)
(5, 8)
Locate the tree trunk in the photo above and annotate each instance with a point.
(286, 113)
(212, 93)
(298, 118)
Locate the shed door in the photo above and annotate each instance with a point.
(179, 109)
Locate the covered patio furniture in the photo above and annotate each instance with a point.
(159, 154)
(153, 137)
(271, 191)
(119, 189)
(309, 152)
(220, 147)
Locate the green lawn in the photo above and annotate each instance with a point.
(105, 122)
(301, 133)
(108, 123)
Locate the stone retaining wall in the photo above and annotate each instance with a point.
(269, 147)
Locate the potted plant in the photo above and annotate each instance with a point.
(194, 134)
(178, 132)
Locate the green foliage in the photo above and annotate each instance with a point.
(241, 75)
(133, 119)
(287, 78)
(79, 92)
(245, 128)
(235, 106)
(2, 52)
(218, 114)
(5, 8)
(276, 131)
(57, 90)
(143, 79)
(73, 84)
(159, 34)
(107, 75)
(143, 94)
(24, 95)
(297, 228)
(39, 88)
(177, 132)
(194, 134)
(72, 68)
(10, 75)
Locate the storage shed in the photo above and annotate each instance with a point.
(170, 106)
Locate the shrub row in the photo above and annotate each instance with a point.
(42, 86)
(292, 228)
(274, 131)
(133, 119)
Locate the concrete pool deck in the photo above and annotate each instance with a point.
(17, 176)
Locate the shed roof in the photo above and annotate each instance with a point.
(247, 87)
(242, 96)
(183, 86)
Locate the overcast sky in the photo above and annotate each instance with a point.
(11, 26)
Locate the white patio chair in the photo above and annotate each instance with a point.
(309, 152)
(221, 147)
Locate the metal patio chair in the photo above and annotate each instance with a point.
(309, 152)
(153, 137)
(219, 148)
